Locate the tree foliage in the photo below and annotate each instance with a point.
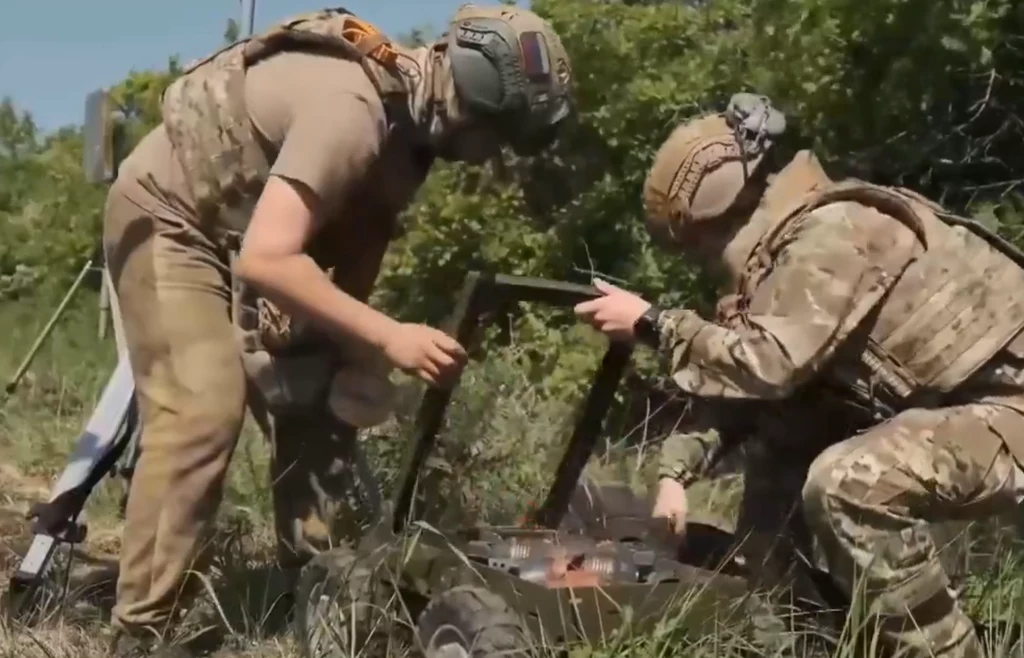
(923, 93)
(50, 217)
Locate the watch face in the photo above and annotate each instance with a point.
(656, 321)
(646, 326)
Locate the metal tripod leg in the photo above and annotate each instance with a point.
(108, 306)
(45, 333)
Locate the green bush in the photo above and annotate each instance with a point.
(926, 94)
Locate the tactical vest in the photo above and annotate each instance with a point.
(204, 109)
(207, 122)
(955, 299)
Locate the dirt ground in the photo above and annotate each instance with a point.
(248, 623)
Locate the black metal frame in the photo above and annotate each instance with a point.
(483, 294)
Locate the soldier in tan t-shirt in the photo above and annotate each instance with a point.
(284, 160)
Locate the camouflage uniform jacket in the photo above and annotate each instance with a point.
(864, 288)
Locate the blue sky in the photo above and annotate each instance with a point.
(54, 52)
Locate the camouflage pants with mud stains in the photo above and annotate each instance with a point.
(869, 499)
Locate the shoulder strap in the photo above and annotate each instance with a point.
(887, 200)
(335, 30)
(890, 201)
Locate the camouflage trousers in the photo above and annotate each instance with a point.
(173, 286)
(869, 501)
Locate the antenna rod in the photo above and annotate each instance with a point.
(248, 15)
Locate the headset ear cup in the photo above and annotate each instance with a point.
(476, 80)
(485, 60)
(510, 70)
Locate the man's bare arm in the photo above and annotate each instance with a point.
(273, 260)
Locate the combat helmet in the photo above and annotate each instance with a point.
(509, 69)
(706, 172)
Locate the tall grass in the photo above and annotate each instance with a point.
(496, 456)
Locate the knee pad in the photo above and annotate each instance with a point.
(926, 591)
(823, 479)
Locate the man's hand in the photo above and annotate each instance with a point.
(670, 504)
(429, 353)
(615, 314)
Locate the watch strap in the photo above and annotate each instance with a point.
(648, 327)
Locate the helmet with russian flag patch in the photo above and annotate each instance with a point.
(509, 67)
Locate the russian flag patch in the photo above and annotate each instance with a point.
(535, 55)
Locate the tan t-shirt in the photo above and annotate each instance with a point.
(323, 125)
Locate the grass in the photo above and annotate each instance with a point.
(497, 452)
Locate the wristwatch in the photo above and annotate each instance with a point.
(647, 327)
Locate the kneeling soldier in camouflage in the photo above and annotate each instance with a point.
(285, 159)
(907, 311)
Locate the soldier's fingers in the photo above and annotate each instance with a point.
(665, 527)
(605, 286)
(593, 315)
(428, 366)
(426, 376)
(448, 368)
(449, 345)
(441, 359)
(588, 307)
